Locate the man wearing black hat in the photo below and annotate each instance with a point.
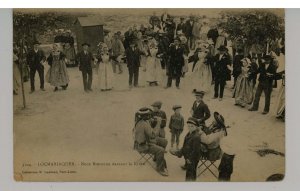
(35, 59)
(267, 71)
(181, 26)
(84, 59)
(189, 25)
(146, 140)
(222, 70)
(176, 62)
(191, 149)
(133, 55)
(200, 110)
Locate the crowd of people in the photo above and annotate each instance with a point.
(166, 49)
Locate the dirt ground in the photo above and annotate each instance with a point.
(79, 127)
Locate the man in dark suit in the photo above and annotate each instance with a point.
(222, 71)
(267, 71)
(213, 34)
(181, 26)
(133, 55)
(176, 62)
(200, 110)
(189, 25)
(35, 59)
(84, 59)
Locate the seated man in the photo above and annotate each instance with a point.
(212, 135)
(147, 140)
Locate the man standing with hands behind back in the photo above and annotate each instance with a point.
(85, 59)
(35, 61)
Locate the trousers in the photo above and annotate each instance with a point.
(133, 75)
(219, 86)
(40, 70)
(170, 79)
(191, 170)
(158, 150)
(267, 89)
(87, 76)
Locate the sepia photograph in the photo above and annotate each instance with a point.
(148, 95)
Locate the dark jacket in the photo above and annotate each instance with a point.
(221, 71)
(163, 116)
(133, 57)
(189, 28)
(192, 146)
(176, 61)
(263, 73)
(253, 72)
(34, 59)
(181, 26)
(50, 58)
(237, 65)
(85, 61)
(201, 112)
(213, 34)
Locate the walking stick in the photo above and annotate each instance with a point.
(22, 81)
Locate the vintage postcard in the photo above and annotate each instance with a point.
(166, 95)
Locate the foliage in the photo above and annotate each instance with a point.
(255, 26)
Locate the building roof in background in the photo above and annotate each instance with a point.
(89, 21)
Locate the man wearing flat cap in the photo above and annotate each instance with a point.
(199, 109)
(191, 149)
(267, 71)
(84, 59)
(146, 140)
(176, 62)
(158, 113)
(222, 71)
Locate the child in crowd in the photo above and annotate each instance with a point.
(176, 125)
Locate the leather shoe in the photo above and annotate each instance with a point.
(265, 112)
(252, 109)
(163, 172)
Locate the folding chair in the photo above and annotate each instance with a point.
(208, 165)
(145, 158)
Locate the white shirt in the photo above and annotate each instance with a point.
(221, 55)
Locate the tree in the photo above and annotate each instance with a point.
(254, 26)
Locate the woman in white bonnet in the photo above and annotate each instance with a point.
(243, 90)
(105, 69)
(201, 75)
(57, 74)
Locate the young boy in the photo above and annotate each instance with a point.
(176, 125)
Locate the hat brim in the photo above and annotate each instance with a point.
(85, 44)
(222, 49)
(174, 108)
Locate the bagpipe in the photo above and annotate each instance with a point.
(213, 129)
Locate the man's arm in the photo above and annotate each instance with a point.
(210, 138)
(206, 112)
